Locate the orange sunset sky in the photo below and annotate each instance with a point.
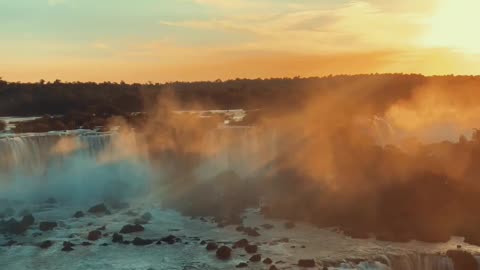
(167, 40)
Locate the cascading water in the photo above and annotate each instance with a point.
(66, 165)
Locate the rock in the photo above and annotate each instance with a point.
(141, 242)
(86, 244)
(47, 225)
(224, 253)
(132, 228)
(267, 226)
(203, 242)
(45, 244)
(242, 243)
(27, 220)
(256, 258)
(289, 225)
(251, 231)
(462, 260)
(78, 214)
(250, 249)
(51, 200)
(211, 246)
(99, 209)
(273, 267)
(68, 244)
(67, 249)
(104, 245)
(240, 229)
(307, 263)
(171, 239)
(267, 261)
(12, 226)
(103, 228)
(242, 265)
(94, 235)
(117, 238)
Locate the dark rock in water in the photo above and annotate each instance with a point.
(45, 244)
(171, 239)
(211, 246)
(242, 265)
(117, 238)
(250, 249)
(251, 232)
(325, 268)
(224, 253)
(99, 209)
(141, 242)
(126, 242)
(256, 258)
(267, 226)
(28, 220)
(47, 225)
(94, 235)
(307, 263)
(241, 243)
(240, 228)
(78, 214)
(132, 228)
(12, 226)
(462, 260)
(51, 200)
(289, 225)
(103, 228)
(203, 242)
(273, 267)
(67, 249)
(104, 245)
(68, 244)
(85, 244)
(140, 221)
(267, 261)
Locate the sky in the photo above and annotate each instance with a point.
(190, 40)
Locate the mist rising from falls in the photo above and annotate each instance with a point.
(32, 167)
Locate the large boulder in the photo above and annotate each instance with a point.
(211, 246)
(47, 225)
(45, 244)
(117, 238)
(224, 253)
(256, 258)
(94, 235)
(99, 209)
(27, 220)
(242, 243)
(12, 226)
(142, 242)
(132, 228)
(250, 249)
(462, 260)
(307, 263)
(78, 214)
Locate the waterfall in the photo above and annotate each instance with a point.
(416, 261)
(67, 165)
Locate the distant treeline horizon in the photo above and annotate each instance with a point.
(112, 98)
